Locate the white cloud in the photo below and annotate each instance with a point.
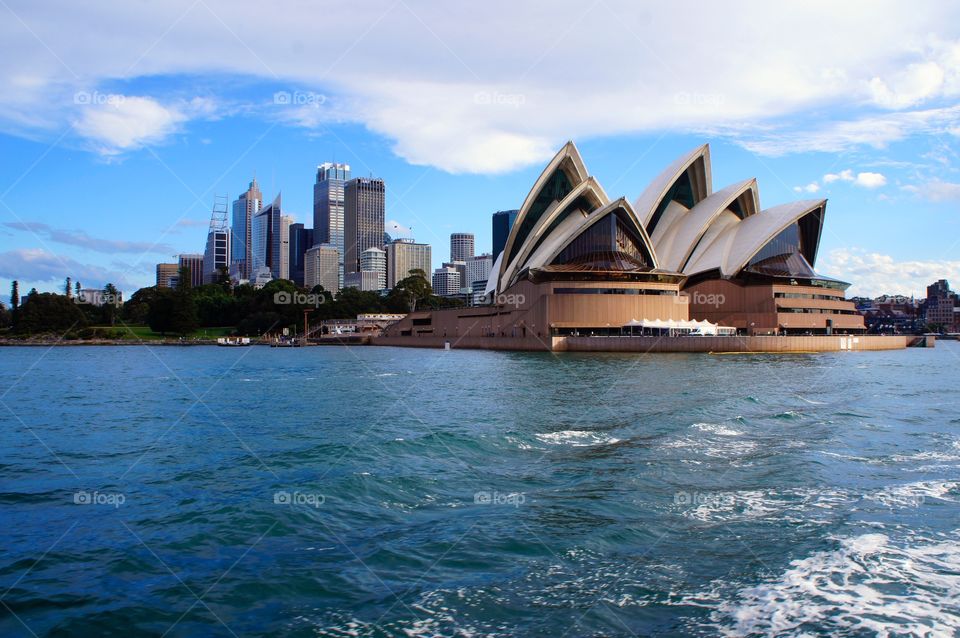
(128, 123)
(844, 175)
(873, 274)
(935, 190)
(454, 101)
(870, 180)
(36, 266)
(812, 187)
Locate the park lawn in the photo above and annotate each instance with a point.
(144, 333)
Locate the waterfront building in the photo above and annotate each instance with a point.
(195, 263)
(270, 242)
(404, 256)
(364, 201)
(578, 263)
(942, 307)
(328, 207)
(502, 223)
(322, 268)
(167, 275)
(244, 208)
(446, 281)
(461, 246)
(216, 257)
(460, 267)
(375, 260)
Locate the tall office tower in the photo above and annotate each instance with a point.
(195, 263)
(269, 243)
(461, 246)
(363, 216)
(244, 208)
(286, 221)
(405, 255)
(328, 206)
(446, 282)
(478, 269)
(375, 260)
(301, 239)
(502, 223)
(216, 257)
(321, 267)
(461, 267)
(167, 275)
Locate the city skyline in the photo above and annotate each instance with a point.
(868, 121)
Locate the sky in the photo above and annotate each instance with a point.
(120, 121)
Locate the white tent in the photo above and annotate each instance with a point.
(680, 326)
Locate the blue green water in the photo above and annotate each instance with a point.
(400, 492)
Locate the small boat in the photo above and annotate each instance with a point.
(233, 341)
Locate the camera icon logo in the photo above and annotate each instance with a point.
(282, 498)
(281, 97)
(282, 298)
(82, 498)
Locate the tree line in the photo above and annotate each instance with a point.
(184, 309)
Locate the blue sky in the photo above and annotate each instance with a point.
(119, 122)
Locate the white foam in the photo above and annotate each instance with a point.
(717, 428)
(868, 584)
(577, 438)
(914, 494)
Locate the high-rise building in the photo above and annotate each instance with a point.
(446, 282)
(301, 239)
(321, 267)
(943, 306)
(328, 207)
(244, 208)
(478, 269)
(216, 257)
(375, 260)
(460, 267)
(404, 256)
(368, 281)
(461, 246)
(363, 217)
(270, 243)
(167, 275)
(502, 223)
(195, 263)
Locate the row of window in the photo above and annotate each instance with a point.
(820, 311)
(804, 295)
(613, 291)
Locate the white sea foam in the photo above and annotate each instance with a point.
(914, 494)
(577, 438)
(868, 585)
(717, 428)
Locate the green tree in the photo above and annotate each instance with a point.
(68, 289)
(14, 301)
(410, 291)
(48, 312)
(5, 318)
(111, 304)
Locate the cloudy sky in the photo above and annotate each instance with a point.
(120, 121)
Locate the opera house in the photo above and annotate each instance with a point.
(578, 264)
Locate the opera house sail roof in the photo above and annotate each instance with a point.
(678, 226)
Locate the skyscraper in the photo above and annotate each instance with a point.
(405, 255)
(375, 260)
(167, 275)
(195, 263)
(502, 223)
(244, 208)
(478, 269)
(269, 242)
(461, 246)
(216, 256)
(328, 207)
(321, 265)
(363, 217)
(301, 239)
(446, 282)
